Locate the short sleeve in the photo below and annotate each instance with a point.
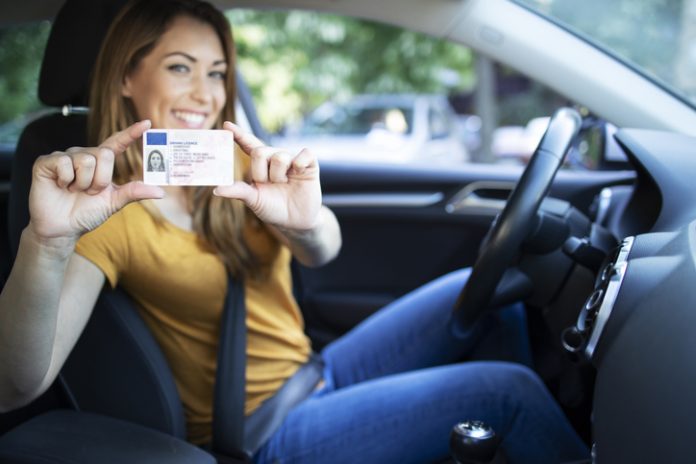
(107, 246)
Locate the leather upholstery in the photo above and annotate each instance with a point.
(70, 437)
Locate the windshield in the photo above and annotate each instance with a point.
(657, 37)
(354, 119)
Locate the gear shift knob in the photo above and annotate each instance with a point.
(473, 442)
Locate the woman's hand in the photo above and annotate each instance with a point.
(72, 192)
(284, 189)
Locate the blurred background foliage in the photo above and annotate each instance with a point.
(293, 61)
(21, 51)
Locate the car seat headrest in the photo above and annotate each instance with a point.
(72, 48)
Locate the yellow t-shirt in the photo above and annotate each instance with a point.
(179, 285)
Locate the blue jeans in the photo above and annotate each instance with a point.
(391, 395)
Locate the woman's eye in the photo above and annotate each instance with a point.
(218, 75)
(178, 68)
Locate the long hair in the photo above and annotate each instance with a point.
(133, 34)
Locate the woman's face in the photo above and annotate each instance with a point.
(156, 161)
(180, 84)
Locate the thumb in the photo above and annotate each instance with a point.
(239, 190)
(133, 191)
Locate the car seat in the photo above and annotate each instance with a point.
(116, 379)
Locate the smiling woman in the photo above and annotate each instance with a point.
(606, 273)
(180, 89)
(164, 63)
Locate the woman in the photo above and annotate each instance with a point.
(155, 161)
(169, 64)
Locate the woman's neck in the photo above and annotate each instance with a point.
(174, 207)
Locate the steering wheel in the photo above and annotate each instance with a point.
(503, 243)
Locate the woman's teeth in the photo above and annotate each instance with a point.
(190, 118)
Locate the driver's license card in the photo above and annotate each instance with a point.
(188, 157)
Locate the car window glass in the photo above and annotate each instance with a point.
(354, 118)
(21, 51)
(358, 91)
(318, 82)
(655, 37)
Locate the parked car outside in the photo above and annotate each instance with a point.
(392, 128)
(516, 144)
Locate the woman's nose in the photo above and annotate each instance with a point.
(201, 90)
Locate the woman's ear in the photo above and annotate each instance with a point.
(126, 88)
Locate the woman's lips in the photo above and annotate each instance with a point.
(190, 118)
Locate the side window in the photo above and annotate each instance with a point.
(21, 51)
(359, 91)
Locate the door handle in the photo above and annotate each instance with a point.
(481, 197)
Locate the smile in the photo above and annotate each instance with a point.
(190, 118)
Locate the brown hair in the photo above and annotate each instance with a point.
(132, 35)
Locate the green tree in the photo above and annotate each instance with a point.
(293, 61)
(21, 52)
(644, 33)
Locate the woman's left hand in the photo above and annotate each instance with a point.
(284, 190)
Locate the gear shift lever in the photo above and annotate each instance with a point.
(474, 442)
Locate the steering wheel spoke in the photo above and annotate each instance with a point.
(494, 280)
(514, 286)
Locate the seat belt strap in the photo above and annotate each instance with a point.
(230, 378)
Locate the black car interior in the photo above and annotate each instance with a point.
(116, 353)
(89, 415)
(115, 400)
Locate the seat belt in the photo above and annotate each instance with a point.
(230, 377)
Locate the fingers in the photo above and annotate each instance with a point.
(259, 163)
(269, 164)
(92, 167)
(260, 154)
(57, 166)
(246, 141)
(134, 191)
(84, 165)
(104, 171)
(305, 163)
(89, 169)
(109, 149)
(119, 141)
(278, 167)
(239, 190)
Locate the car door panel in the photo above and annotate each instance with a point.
(403, 226)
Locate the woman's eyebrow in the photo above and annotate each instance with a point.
(192, 59)
(185, 55)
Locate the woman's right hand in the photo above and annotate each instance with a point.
(72, 192)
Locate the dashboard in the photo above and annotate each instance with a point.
(638, 325)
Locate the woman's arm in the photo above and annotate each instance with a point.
(51, 291)
(44, 307)
(316, 246)
(285, 193)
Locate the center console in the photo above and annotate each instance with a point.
(581, 340)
